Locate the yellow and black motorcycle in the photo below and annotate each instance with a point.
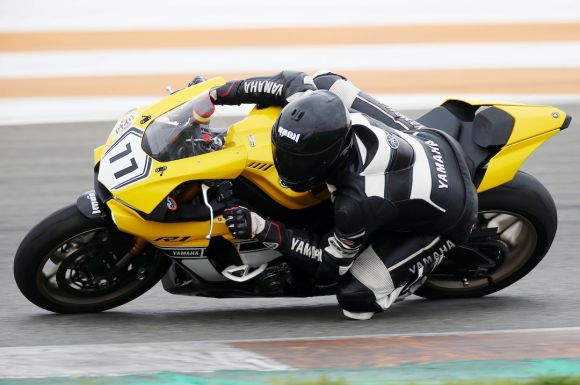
(167, 171)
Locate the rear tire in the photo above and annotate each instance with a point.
(528, 201)
(57, 262)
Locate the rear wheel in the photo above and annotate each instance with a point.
(516, 226)
(66, 264)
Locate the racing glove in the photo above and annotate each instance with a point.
(325, 257)
(246, 224)
(243, 223)
(277, 90)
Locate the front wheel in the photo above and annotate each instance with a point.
(66, 265)
(522, 220)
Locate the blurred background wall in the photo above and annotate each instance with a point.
(92, 60)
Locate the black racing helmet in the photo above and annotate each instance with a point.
(308, 139)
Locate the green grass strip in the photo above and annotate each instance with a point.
(537, 381)
(528, 372)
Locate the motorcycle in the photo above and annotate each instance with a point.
(167, 171)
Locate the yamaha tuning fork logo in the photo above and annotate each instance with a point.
(393, 141)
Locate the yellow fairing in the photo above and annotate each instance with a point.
(162, 234)
(135, 118)
(504, 165)
(146, 194)
(98, 154)
(533, 126)
(255, 133)
(533, 121)
(247, 152)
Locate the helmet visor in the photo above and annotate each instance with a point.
(300, 172)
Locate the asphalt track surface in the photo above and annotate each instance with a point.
(45, 167)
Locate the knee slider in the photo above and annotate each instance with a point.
(355, 297)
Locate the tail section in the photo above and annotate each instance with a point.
(497, 137)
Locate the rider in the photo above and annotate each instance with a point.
(403, 196)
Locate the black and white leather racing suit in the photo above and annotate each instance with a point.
(403, 197)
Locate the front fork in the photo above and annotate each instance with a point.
(90, 206)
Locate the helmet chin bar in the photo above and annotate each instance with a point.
(300, 186)
(308, 184)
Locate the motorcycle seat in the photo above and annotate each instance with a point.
(442, 119)
(481, 132)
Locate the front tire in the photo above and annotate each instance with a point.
(59, 262)
(525, 214)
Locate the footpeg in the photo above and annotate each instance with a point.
(242, 273)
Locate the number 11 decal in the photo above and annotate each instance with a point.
(126, 170)
(125, 162)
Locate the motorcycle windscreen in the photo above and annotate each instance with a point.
(182, 132)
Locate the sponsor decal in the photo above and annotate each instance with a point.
(161, 170)
(171, 203)
(125, 122)
(306, 249)
(185, 253)
(432, 259)
(96, 209)
(439, 164)
(392, 141)
(266, 86)
(284, 133)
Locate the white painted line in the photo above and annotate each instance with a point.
(272, 59)
(64, 110)
(66, 15)
(123, 359)
(433, 334)
(570, 329)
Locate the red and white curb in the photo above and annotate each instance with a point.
(379, 351)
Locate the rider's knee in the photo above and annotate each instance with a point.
(353, 296)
